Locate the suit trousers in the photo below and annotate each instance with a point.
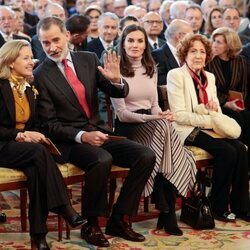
(46, 188)
(230, 185)
(97, 162)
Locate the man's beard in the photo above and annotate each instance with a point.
(58, 59)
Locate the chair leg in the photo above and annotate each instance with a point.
(112, 188)
(67, 231)
(23, 207)
(146, 206)
(60, 227)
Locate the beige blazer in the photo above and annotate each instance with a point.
(183, 99)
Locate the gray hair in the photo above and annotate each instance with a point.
(110, 15)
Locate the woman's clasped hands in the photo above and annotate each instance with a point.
(168, 115)
(31, 136)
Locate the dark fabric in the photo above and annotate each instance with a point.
(238, 81)
(165, 61)
(45, 184)
(63, 119)
(14, 37)
(230, 173)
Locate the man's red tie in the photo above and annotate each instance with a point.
(77, 86)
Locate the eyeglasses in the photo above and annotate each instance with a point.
(153, 21)
(8, 18)
(235, 18)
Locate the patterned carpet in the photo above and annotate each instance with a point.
(228, 236)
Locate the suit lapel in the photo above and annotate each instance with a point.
(59, 81)
(9, 100)
(81, 68)
(171, 59)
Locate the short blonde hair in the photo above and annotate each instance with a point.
(9, 52)
(188, 40)
(232, 40)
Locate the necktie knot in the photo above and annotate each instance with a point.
(155, 45)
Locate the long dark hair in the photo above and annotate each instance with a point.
(147, 60)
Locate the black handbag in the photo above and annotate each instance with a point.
(196, 209)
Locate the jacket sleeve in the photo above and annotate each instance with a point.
(180, 102)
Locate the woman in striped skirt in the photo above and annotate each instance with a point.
(141, 119)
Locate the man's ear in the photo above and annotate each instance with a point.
(67, 35)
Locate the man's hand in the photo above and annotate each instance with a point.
(111, 69)
(95, 138)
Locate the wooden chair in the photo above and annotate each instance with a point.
(11, 179)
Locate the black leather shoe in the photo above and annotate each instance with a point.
(122, 229)
(243, 216)
(72, 217)
(3, 217)
(39, 243)
(94, 236)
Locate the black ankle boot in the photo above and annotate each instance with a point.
(171, 225)
(160, 221)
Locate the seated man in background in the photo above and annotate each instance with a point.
(78, 27)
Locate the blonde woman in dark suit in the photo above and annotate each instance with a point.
(21, 144)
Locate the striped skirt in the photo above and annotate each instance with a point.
(172, 159)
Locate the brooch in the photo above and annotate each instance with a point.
(35, 91)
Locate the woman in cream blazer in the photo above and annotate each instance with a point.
(188, 87)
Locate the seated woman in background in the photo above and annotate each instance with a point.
(141, 119)
(214, 21)
(230, 70)
(188, 87)
(21, 145)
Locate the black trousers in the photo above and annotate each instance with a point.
(230, 185)
(97, 162)
(46, 187)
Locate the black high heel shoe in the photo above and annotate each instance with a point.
(71, 216)
(39, 243)
(168, 221)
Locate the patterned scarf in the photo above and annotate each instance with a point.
(19, 83)
(203, 98)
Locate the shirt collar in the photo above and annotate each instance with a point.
(105, 44)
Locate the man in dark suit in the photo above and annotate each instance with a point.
(73, 126)
(108, 31)
(245, 35)
(153, 25)
(6, 25)
(165, 57)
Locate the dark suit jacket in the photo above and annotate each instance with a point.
(96, 46)
(165, 61)
(8, 129)
(160, 43)
(2, 41)
(246, 51)
(58, 107)
(245, 35)
(37, 49)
